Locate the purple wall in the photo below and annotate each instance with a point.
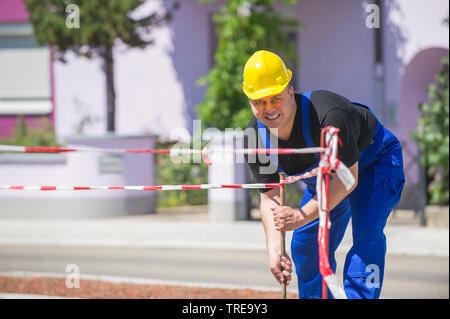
(338, 58)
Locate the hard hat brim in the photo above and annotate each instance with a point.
(268, 91)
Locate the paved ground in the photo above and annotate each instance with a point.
(190, 228)
(405, 277)
(182, 246)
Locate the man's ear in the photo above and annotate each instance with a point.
(291, 91)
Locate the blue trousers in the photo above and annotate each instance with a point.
(380, 183)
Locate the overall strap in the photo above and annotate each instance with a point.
(265, 138)
(264, 134)
(306, 125)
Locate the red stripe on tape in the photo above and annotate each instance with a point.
(116, 187)
(48, 188)
(272, 185)
(338, 162)
(16, 187)
(191, 187)
(152, 188)
(77, 188)
(231, 186)
(286, 151)
(47, 149)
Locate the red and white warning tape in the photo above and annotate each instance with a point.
(172, 151)
(328, 162)
(205, 152)
(139, 188)
(289, 180)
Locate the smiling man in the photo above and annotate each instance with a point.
(285, 119)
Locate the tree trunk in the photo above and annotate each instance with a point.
(110, 91)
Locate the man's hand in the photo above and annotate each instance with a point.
(281, 267)
(286, 218)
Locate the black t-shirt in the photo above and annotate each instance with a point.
(356, 123)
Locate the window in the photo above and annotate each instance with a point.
(25, 86)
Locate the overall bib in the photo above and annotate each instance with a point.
(380, 183)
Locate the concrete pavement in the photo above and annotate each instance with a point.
(190, 228)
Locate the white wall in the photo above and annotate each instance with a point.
(156, 87)
(79, 92)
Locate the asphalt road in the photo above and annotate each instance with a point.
(405, 276)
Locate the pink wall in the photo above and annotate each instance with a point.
(13, 11)
(410, 27)
(419, 73)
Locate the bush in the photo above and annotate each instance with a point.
(432, 136)
(293, 196)
(242, 27)
(170, 173)
(40, 133)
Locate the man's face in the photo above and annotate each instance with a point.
(276, 111)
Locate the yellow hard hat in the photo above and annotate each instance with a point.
(265, 74)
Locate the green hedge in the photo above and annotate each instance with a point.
(40, 133)
(170, 173)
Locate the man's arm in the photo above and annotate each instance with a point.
(281, 267)
(287, 218)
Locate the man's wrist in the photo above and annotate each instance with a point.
(301, 216)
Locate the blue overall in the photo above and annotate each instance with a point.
(380, 183)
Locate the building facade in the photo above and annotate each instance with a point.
(387, 67)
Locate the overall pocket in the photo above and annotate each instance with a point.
(386, 189)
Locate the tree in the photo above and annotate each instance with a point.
(242, 27)
(101, 24)
(433, 137)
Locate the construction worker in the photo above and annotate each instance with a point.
(371, 152)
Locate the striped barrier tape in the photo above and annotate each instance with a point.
(205, 152)
(289, 180)
(172, 151)
(328, 162)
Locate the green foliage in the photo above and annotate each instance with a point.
(41, 133)
(293, 196)
(242, 27)
(432, 134)
(101, 24)
(171, 173)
